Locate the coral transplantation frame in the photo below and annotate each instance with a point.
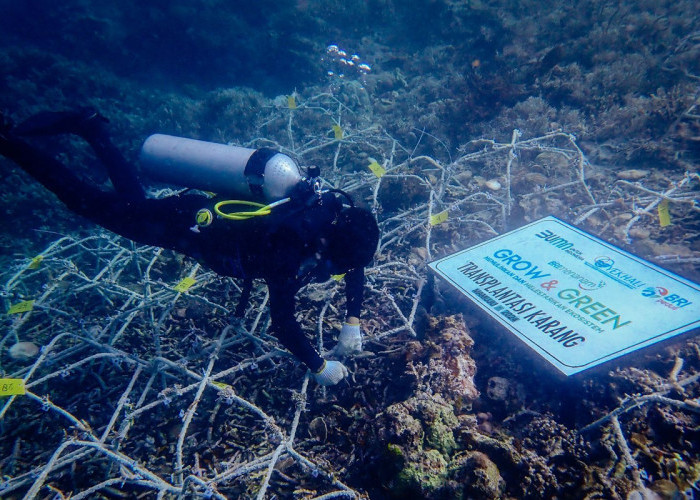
(140, 387)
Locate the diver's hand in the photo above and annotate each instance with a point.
(331, 373)
(349, 340)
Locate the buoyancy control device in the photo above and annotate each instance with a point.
(252, 174)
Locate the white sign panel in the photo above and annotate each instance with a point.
(576, 300)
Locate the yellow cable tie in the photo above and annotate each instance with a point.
(36, 262)
(184, 285)
(377, 169)
(438, 218)
(21, 307)
(664, 214)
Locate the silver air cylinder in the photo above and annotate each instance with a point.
(219, 168)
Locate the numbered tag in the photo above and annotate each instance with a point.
(438, 218)
(184, 285)
(377, 169)
(291, 102)
(21, 307)
(11, 386)
(221, 385)
(338, 132)
(36, 262)
(664, 215)
(338, 277)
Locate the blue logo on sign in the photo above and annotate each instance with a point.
(604, 262)
(606, 265)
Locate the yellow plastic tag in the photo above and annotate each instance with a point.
(377, 169)
(338, 132)
(338, 277)
(184, 285)
(664, 215)
(21, 307)
(291, 102)
(11, 386)
(221, 385)
(36, 262)
(438, 218)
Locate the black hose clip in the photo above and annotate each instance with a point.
(313, 178)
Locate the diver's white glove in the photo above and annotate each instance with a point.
(349, 340)
(331, 373)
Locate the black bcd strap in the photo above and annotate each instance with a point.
(255, 170)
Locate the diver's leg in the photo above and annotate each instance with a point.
(165, 222)
(79, 122)
(89, 124)
(121, 172)
(74, 192)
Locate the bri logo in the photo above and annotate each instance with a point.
(654, 292)
(663, 296)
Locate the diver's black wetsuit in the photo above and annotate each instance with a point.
(286, 248)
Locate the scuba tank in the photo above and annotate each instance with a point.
(253, 174)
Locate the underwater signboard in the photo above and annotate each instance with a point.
(573, 298)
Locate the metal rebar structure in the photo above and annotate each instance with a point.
(144, 383)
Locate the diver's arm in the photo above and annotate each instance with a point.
(350, 337)
(354, 288)
(285, 326)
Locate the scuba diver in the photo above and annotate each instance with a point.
(305, 235)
